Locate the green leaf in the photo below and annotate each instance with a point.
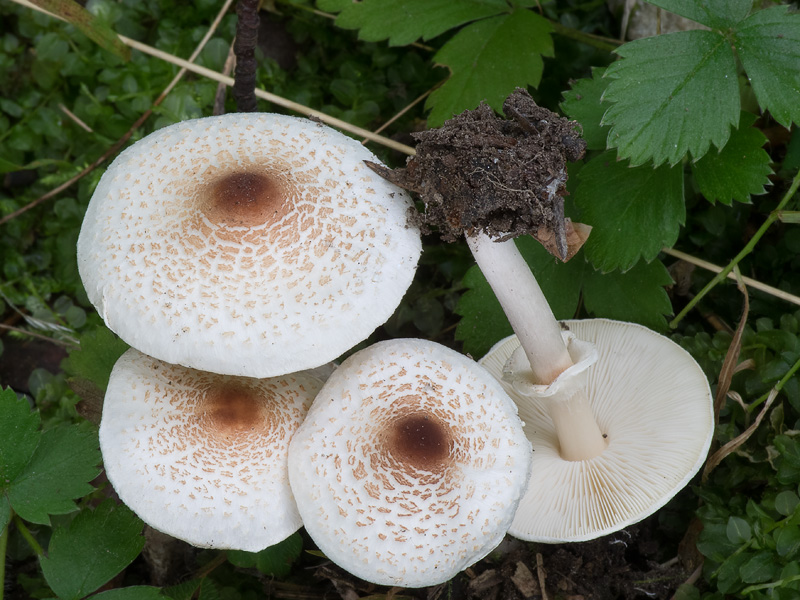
(786, 502)
(738, 530)
(5, 513)
(761, 567)
(582, 103)
(714, 14)
(95, 358)
(768, 43)
(483, 322)
(739, 170)
(787, 541)
(19, 436)
(137, 592)
(488, 60)
(275, 561)
(91, 26)
(60, 470)
(92, 549)
(638, 295)
(405, 21)
(660, 93)
(634, 211)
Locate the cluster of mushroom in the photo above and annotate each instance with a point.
(233, 253)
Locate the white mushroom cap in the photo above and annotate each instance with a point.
(203, 457)
(247, 244)
(652, 401)
(409, 465)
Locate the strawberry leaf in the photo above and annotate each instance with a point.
(635, 211)
(739, 170)
(660, 93)
(582, 103)
(478, 57)
(768, 43)
(717, 15)
(405, 21)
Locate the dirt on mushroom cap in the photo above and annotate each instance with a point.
(505, 177)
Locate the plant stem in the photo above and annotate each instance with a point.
(3, 546)
(599, 42)
(773, 216)
(26, 533)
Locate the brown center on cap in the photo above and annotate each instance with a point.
(233, 409)
(420, 440)
(245, 199)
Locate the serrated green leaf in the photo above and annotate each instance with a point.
(582, 103)
(738, 530)
(275, 561)
(137, 592)
(91, 26)
(768, 43)
(637, 295)
(19, 436)
(488, 60)
(712, 13)
(634, 211)
(93, 361)
(483, 322)
(92, 549)
(660, 93)
(405, 21)
(739, 170)
(759, 568)
(60, 470)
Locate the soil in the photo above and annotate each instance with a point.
(505, 177)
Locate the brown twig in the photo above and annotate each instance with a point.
(222, 89)
(244, 87)
(39, 336)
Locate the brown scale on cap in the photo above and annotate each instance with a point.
(419, 440)
(232, 409)
(245, 199)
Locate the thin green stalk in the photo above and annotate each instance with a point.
(777, 387)
(26, 533)
(598, 41)
(773, 216)
(3, 546)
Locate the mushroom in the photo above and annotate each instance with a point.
(651, 401)
(246, 244)
(201, 456)
(509, 181)
(409, 465)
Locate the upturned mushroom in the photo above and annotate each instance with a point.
(246, 244)
(203, 457)
(409, 465)
(584, 457)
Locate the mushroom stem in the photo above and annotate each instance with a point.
(539, 333)
(524, 304)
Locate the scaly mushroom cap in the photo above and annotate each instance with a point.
(246, 244)
(203, 457)
(652, 401)
(409, 465)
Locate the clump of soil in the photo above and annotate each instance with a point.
(504, 177)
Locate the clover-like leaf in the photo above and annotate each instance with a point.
(92, 549)
(634, 211)
(275, 561)
(768, 43)
(488, 60)
(717, 15)
(660, 94)
(405, 21)
(582, 103)
(739, 170)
